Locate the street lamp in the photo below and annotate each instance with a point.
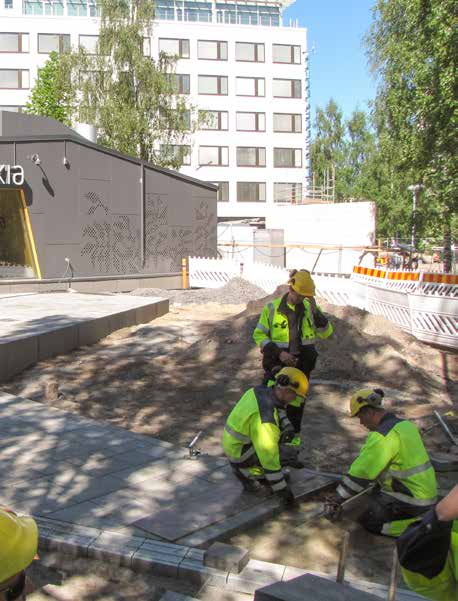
(415, 189)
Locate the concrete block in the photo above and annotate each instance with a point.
(115, 548)
(21, 353)
(310, 588)
(255, 575)
(195, 572)
(160, 558)
(75, 545)
(444, 462)
(226, 557)
(60, 341)
(172, 596)
(90, 332)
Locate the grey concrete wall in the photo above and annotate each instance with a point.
(94, 211)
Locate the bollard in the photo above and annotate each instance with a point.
(184, 273)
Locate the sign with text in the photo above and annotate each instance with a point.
(11, 174)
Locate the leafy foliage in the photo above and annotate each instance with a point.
(51, 95)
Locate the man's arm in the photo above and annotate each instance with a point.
(447, 509)
(322, 325)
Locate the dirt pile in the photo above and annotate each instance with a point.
(237, 291)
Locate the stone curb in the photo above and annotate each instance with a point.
(167, 559)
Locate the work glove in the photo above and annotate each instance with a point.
(332, 509)
(287, 434)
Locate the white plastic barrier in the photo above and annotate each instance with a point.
(426, 309)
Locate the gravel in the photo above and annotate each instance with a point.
(236, 292)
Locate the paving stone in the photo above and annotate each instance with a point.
(195, 572)
(226, 557)
(310, 588)
(115, 548)
(307, 485)
(159, 558)
(172, 596)
(255, 575)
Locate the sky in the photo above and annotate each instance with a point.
(338, 65)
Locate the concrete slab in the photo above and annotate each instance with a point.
(310, 588)
(34, 327)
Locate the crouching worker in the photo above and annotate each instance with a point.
(395, 458)
(428, 552)
(18, 547)
(257, 426)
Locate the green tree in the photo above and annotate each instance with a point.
(131, 98)
(51, 95)
(412, 49)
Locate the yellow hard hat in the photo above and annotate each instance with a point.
(293, 378)
(302, 283)
(366, 397)
(18, 543)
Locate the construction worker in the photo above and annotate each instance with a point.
(286, 332)
(393, 456)
(257, 426)
(18, 547)
(428, 552)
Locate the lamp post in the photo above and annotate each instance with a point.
(415, 189)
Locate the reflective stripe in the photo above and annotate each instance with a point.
(410, 500)
(237, 435)
(251, 451)
(347, 481)
(274, 476)
(340, 490)
(386, 529)
(407, 473)
(279, 486)
(265, 342)
(259, 326)
(282, 344)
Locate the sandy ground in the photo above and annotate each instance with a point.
(183, 372)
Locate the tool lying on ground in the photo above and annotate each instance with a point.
(333, 510)
(446, 429)
(194, 452)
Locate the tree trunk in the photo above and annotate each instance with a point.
(447, 246)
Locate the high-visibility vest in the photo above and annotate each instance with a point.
(252, 429)
(394, 455)
(273, 326)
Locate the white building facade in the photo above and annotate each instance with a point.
(237, 62)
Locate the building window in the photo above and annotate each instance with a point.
(181, 83)
(174, 47)
(89, 43)
(251, 121)
(213, 156)
(14, 42)
(251, 156)
(288, 122)
(287, 157)
(251, 192)
(214, 120)
(212, 50)
(223, 191)
(182, 152)
(8, 4)
(249, 52)
(53, 42)
(77, 8)
(213, 84)
(14, 79)
(291, 193)
(287, 88)
(12, 108)
(250, 86)
(282, 53)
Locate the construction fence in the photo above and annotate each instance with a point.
(423, 304)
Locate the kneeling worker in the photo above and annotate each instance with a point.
(18, 547)
(256, 427)
(393, 455)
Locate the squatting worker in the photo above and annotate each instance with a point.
(428, 552)
(255, 429)
(393, 455)
(286, 334)
(18, 548)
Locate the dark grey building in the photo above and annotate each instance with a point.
(64, 197)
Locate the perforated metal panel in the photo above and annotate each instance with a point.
(205, 229)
